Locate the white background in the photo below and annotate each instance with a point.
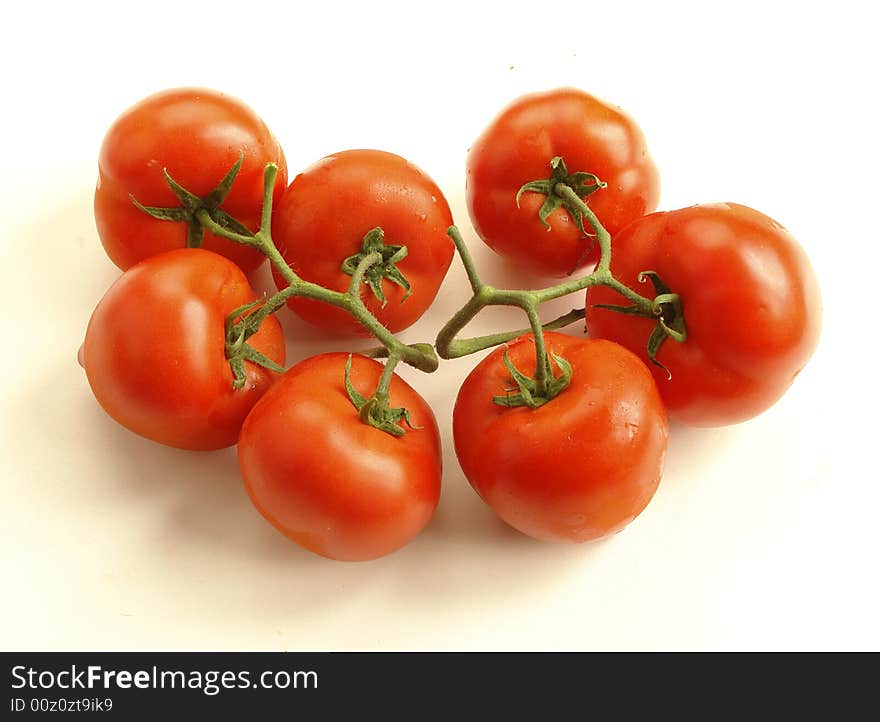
(762, 536)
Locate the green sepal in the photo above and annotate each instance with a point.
(525, 383)
(221, 190)
(240, 325)
(668, 310)
(163, 214)
(222, 218)
(660, 287)
(374, 242)
(536, 186)
(655, 341)
(239, 373)
(583, 184)
(371, 411)
(251, 354)
(527, 395)
(189, 201)
(246, 352)
(191, 204)
(355, 396)
(676, 331)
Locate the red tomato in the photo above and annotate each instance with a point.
(517, 147)
(329, 208)
(330, 482)
(197, 135)
(155, 350)
(581, 466)
(751, 306)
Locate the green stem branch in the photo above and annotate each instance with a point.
(568, 190)
(449, 346)
(420, 356)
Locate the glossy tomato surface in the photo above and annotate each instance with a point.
(155, 352)
(329, 208)
(197, 134)
(590, 136)
(581, 466)
(328, 481)
(751, 305)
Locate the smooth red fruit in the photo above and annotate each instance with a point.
(197, 135)
(751, 305)
(581, 466)
(328, 209)
(330, 482)
(155, 351)
(590, 136)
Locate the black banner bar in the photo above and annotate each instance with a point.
(139, 685)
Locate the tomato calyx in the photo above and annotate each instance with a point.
(374, 242)
(531, 393)
(581, 183)
(241, 324)
(376, 411)
(666, 308)
(190, 206)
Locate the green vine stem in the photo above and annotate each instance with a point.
(245, 321)
(665, 307)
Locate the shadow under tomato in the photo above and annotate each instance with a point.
(192, 497)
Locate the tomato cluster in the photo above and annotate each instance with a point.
(705, 314)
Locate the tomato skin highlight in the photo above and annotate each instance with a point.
(197, 134)
(751, 305)
(578, 468)
(328, 481)
(155, 356)
(329, 208)
(517, 147)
